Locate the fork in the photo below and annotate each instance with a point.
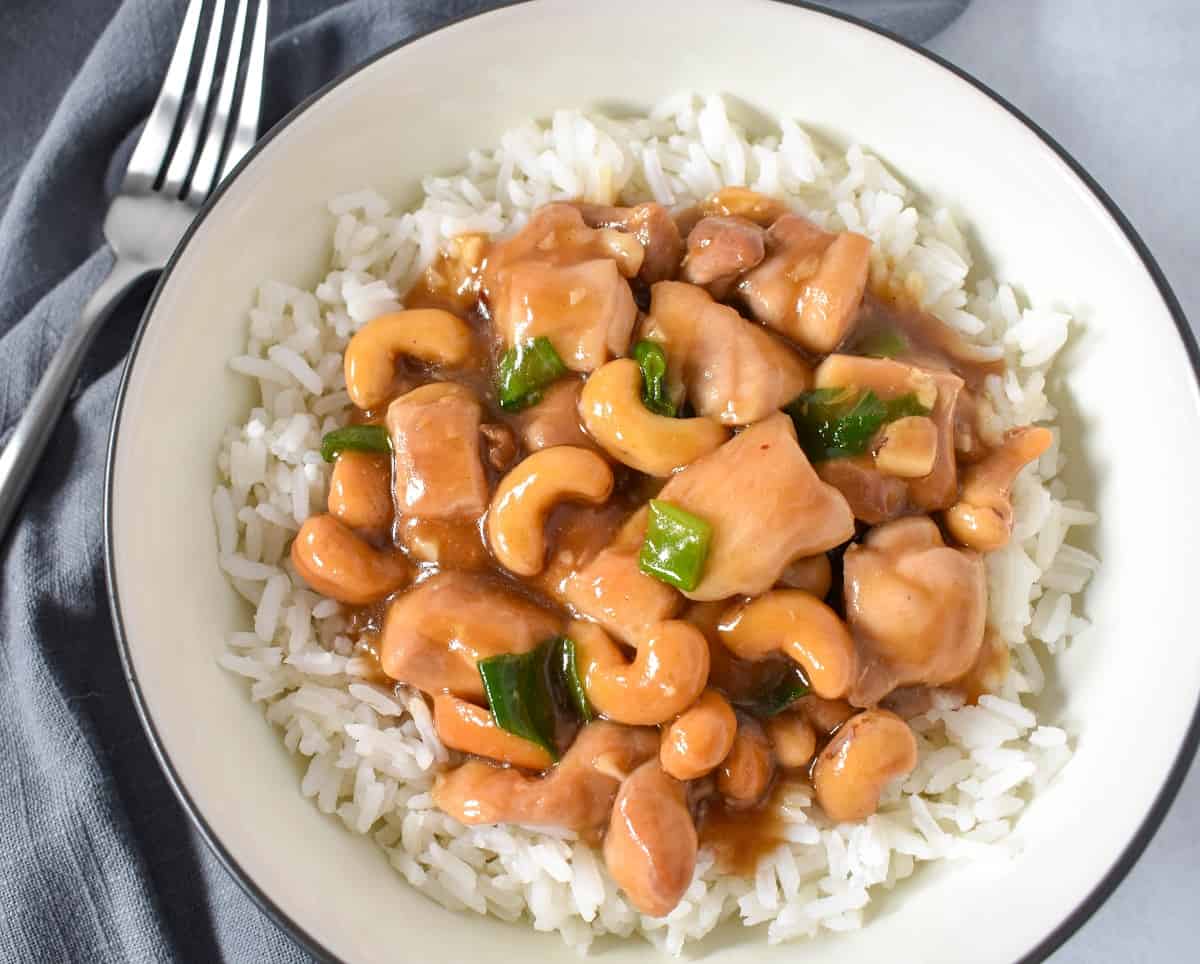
(178, 161)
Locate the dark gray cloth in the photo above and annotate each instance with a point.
(98, 861)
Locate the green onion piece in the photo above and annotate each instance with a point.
(653, 361)
(524, 371)
(885, 343)
(519, 695)
(783, 694)
(357, 438)
(789, 685)
(676, 546)
(834, 423)
(568, 667)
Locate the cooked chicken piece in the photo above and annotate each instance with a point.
(719, 250)
(729, 368)
(811, 283)
(813, 574)
(437, 467)
(435, 634)
(873, 496)
(577, 794)
(611, 589)
(557, 234)
(915, 606)
(555, 419)
(559, 278)
(766, 507)
(654, 229)
(586, 310)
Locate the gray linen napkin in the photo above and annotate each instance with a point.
(98, 862)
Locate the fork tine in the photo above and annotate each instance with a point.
(189, 136)
(203, 178)
(246, 131)
(150, 153)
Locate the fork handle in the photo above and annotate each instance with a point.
(24, 448)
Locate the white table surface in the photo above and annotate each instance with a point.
(1117, 83)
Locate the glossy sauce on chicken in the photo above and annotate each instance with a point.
(663, 512)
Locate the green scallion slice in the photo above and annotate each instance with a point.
(355, 438)
(676, 545)
(653, 361)
(884, 343)
(524, 371)
(519, 695)
(568, 667)
(834, 423)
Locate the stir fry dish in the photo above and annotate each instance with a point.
(656, 508)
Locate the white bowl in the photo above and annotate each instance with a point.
(1128, 400)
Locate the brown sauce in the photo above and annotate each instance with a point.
(367, 646)
(739, 838)
(931, 342)
(989, 671)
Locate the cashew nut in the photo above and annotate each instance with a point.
(982, 518)
(472, 729)
(798, 625)
(746, 774)
(360, 490)
(793, 738)
(907, 447)
(577, 794)
(697, 742)
(664, 679)
(651, 844)
(886, 377)
(517, 519)
(427, 334)
(337, 563)
(744, 203)
(613, 414)
(869, 751)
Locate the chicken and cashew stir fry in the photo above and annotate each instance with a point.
(659, 509)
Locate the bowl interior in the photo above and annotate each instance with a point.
(1127, 396)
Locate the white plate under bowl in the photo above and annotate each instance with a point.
(1128, 401)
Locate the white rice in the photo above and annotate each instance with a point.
(373, 753)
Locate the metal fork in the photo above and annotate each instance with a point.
(179, 160)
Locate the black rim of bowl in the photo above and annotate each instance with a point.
(1175, 776)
